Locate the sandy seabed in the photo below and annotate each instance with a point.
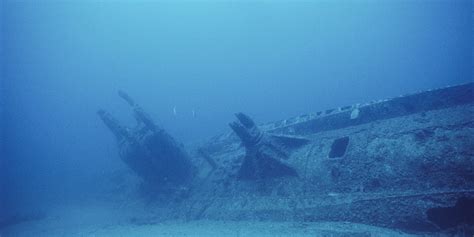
(100, 221)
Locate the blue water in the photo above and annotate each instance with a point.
(192, 65)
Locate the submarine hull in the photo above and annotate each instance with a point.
(404, 163)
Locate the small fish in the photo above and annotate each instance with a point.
(194, 113)
(174, 111)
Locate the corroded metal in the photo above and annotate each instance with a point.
(265, 154)
(149, 150)
(405, 163)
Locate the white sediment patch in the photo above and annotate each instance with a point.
(355, 113)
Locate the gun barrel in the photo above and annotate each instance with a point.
(126, 97)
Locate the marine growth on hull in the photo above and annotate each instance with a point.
(149, 150)
(265, 154)
(405, 163)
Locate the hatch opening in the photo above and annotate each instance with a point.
(339, 147)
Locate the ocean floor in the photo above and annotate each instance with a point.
(103, 221)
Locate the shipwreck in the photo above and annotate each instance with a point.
(405, 163)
